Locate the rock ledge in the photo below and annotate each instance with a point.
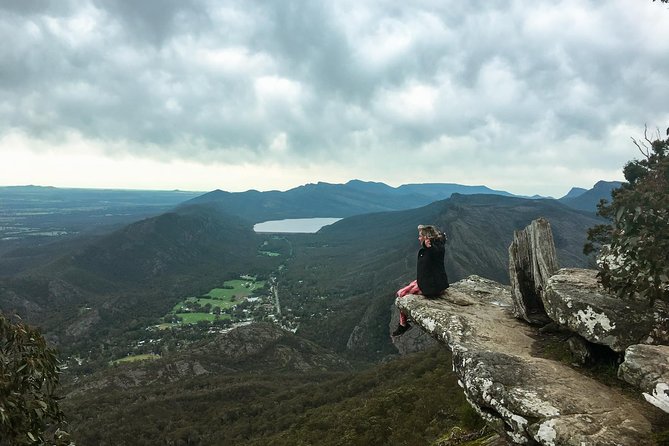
(531, 400)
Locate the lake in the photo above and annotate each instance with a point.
(294, 225)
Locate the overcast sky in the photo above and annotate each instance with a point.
(525, 96)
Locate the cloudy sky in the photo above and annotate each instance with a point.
(526, 96)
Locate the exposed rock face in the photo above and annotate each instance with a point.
(365, 337)
(647, 367)
(532, 260)
(140, 374)
(579, 349)
(83, 324)
(61, 291)
(414, 340)
(527, 398)
(11, 303)
(265, 345)
(257, 347)
(575, 300)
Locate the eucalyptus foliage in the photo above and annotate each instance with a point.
(634, 256)
(29, 376)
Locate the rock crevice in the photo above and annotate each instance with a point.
(532, 260)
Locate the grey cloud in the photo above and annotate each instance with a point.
(157, 21)
(199, 79)
(32, 7)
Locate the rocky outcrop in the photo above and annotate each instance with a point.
(143, 373)
(532, 260)
(580, 349)
(647, 367)
(414, 340)
(84, 324)
(254, 348)
(575, 300)
(528, 398)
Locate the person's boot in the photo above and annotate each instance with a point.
(401, 329)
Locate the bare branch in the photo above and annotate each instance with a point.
(645, 135)
(641, 146)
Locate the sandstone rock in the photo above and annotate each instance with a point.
(458, 437)
(647, 367)
(575, 300)
(414, 340)
(528, 399)
(551, 327)
(532, 260)
(580, 349)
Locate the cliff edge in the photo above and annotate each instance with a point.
(522, 393)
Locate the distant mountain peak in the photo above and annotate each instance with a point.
(359, 182)
(608, 184)
(575, 192)
(589, 199)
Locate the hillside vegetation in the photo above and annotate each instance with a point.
(200, 384)
(346, 275)
(265, 390)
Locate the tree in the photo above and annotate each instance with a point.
(634, 248)
(29, 376)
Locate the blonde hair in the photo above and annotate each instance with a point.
(431, 232)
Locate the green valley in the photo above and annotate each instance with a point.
(186, 303)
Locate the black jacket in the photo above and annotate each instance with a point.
(430, 271)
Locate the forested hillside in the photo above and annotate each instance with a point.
(359, 262)
(280, 400)
(109, 301)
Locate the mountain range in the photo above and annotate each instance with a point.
(333, 200)
(208, 239)
(370, 256)
(103, 294)
(587, 200)
(361, 197)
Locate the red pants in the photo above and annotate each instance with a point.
(412, 288)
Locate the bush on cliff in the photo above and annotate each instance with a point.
(634, 257)
(29, 411)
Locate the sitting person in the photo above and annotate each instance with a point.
(431, 279)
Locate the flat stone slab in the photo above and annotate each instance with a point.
(647, 367)
(574, 299)
(529, 399)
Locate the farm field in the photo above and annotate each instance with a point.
(193, 309)
(192, 318)
(222, 303)
(240, 288)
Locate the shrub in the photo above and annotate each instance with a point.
(634, 255)
(29, 411)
